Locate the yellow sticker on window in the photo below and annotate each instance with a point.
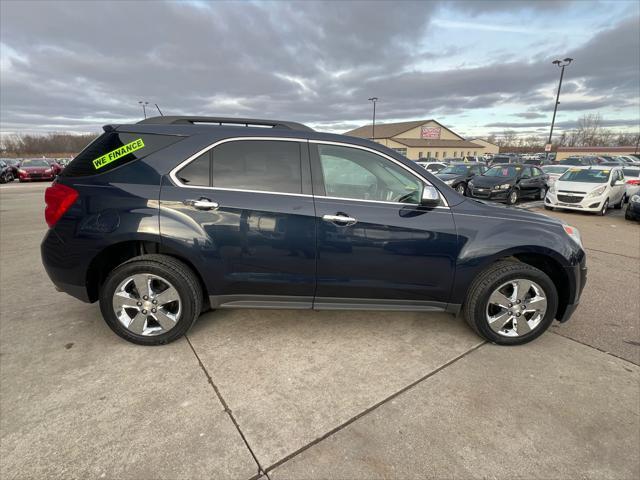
(575, 169)
(606, 172)
(114, 155)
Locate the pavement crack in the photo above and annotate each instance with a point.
(225, 406)
(372, 408)
(594, 347)
(611, 253)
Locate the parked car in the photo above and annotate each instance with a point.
(14, 164)
(35, 169)
(432, 167)
(632, 179)
(6, 172)
(457, 175)
(592, 189)
(633, 208)
(553, 172)
(576, 161)
(509, 183)
(163, 219)
(628, 160)
(538, 162)
(504, 158)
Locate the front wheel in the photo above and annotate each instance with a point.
(151, 299)
(461, 189)
(511, 303)
(605, 207)
(512, 199)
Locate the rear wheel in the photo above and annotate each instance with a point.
(461, 189)
(151, 299)
(511, 303)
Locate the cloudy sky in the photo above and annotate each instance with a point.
(479, 67)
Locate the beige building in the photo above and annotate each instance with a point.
(423, 139)
(564, 152)
(489, 147)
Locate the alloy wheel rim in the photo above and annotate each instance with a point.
(513, 197)
(147, 304)
(516, 308)
(460, 188)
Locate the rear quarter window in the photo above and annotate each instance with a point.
(114, 149)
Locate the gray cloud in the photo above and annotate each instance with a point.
(78, 65)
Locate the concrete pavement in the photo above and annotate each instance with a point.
(315, 394)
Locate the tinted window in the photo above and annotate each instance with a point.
(502, 171)
(631, 172)
(265, 165)
(112, 149)
(196, 173)
(456, 169)
(358, 174)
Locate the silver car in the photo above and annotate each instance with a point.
(632, 181)
(554, 172)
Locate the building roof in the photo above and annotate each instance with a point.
(435, 143)
(385, 130)
(598, 149)
(482, 140)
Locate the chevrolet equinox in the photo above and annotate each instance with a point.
(172, 216)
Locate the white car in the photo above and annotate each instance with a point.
(588, 189)
(632, 179)
(433, 167)
(554, 172)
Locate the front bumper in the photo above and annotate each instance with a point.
(578, 277)
(489, 194)
(28, 177)
(583, 204)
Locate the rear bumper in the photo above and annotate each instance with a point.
(68, 272)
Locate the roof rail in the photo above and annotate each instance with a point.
(247, 122)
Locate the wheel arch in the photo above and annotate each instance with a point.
(112, 256)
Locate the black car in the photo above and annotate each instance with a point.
(164, 219)
(633, 208)
(509, 183)
(14, 165)
(504, 158)
(457, 175)
(6, 172)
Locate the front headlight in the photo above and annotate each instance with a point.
(635, 198)
(552, 188)
(504, 186)
(597, 192)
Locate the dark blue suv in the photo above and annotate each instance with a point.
(164, 219)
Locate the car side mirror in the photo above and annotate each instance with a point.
(430, 196)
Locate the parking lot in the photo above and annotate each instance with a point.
(303, 394)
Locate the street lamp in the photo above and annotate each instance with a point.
(144, 107)
(560, 64)
(373, 126)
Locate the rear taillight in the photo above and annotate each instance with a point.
(58, 198)
(633, 182)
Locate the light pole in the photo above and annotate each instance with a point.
(373, 126)
(560, 64)
(144, 107)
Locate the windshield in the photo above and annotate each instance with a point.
(554, 169)
(455, 169)
(35, 163)
(502, 171)
(585, 175)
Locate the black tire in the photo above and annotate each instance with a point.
(605, 207)
(619, 205)
(474, 311)
(3, 179)
(181, 277)
(543, 193)
(461, 189)
(513, 197)
(547, 207)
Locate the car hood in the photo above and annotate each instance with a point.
(34, 169)
(491, 209)
(585, 187)
(449, 176)
(483, 181)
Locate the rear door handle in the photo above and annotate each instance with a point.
(341, 220)
(202, 204)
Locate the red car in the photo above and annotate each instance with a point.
(35, 170)
(57, 168)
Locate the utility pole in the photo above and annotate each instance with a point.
(373, 126)
(560, 64)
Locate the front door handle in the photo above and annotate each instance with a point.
(340, 219)
(202, 204)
